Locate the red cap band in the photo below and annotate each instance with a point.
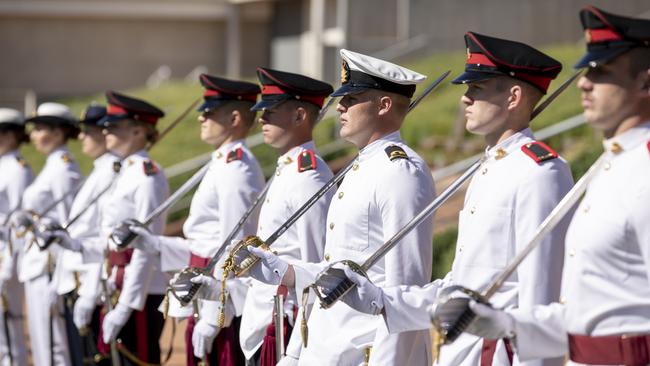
(247, 97)
(479, 58)
(602, 35)
(275, 90)
(541, 82)
(113, 110)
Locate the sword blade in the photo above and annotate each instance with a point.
(178, 194)
(423, 215)
(551, 221)
(540, 108)
(429, 89)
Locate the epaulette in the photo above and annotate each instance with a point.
(306, 161)
(395, 152)
(67, 158)
(235, 154)
(149, 167)
(539, 151)
(117, 166)
(22, 161)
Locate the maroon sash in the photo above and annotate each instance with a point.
(490, 347)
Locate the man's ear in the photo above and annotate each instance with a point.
(385, 105)
(235, 119)
(515, 96)
(300, 116)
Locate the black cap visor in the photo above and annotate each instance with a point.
(210, 104)
(595, 57)
(113, 119)
(351, 88)
(468, 77)
(271, 101)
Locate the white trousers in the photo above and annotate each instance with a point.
(14, 323)
(40, 317)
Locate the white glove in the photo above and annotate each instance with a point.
(114, 321)
(203, 337)
(145, 241)
(210, 289)
(269, 269)
(83, 311)
(490, 323)
(366, 297)
(288, 360)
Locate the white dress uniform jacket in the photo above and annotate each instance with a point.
(303, 241)
(137, 191)
(16, 176)
(378, 197)
(606, 284)
(59, 176)
(228, 189)
(85, 229)
(507, 199)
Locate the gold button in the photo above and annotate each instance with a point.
(288, 160)
(484, 171)
(616, 148)
(340, 195)
(219, 154)
(472, 210)
(586, 208)
(268, 200)
(277, 172)
(572, 253)
(562, 300)
(130, 162)
(607, 166)
(500, 153)
(331, 225)
(327, 257)
(355, 166)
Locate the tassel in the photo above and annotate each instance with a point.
(304, 330)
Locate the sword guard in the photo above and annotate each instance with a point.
(241, 260)
(183, 289)
(452, 314)
(122, 236)
(42, 232)
(329, 298)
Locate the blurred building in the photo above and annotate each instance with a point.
(69, 47)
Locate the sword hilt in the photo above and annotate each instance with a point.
(48, 239)
(452, 314)
(183, 289)
(329, 298)
(248, 260)
(122, 236)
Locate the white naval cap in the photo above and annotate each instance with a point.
(360, 72)
(10, 116)
(53, 113)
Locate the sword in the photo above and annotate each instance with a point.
(450, 330)
(122, 236)
(7, 316)
(328, 299)
(249, 260)
(278, 306)
(115, 355)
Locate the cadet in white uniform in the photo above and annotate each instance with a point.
(604, 314)
(53, 126)
(519, 183)
(233, 181)
(16, 176)
(78, 283)
(387, 186)
(140, 187)
(290, 106)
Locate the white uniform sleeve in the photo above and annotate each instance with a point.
(62, 185)
(138, 274)
(401, 194)
(406, 308)
(17, 186)
(540, 274)
(540, 332)
(174, 253)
